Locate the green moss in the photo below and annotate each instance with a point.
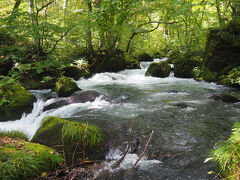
(66, 86)
(227, 155)
(14, 134)
(14, 99)
(145, 57)
(161, 69)
(20, 159)
(204, 74)
(132, 63)
(56, 131)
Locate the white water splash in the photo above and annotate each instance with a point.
(130, 159)
(29, 123)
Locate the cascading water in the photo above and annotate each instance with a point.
(186, 122)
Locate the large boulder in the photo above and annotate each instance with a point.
(145, 57)
(76, 72)
(14, 100)
(160, 69)
(77, 97)
(132, 63)
(223, 47)
(185, 63)
(20, 159)
(78, 139)
(66, 86)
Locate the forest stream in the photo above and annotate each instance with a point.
(186, 121)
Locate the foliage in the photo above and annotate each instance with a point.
(20, 159)
(234, 76)
(226, 154)
(204, 74)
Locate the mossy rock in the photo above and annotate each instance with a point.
(223, 47)
(66, 86)
(205, 74)
(185, 64)
(20, 159)
(145, 57)
(15, 100)
(132, 63)
(55, 131)
(76, 72)
(161, 69)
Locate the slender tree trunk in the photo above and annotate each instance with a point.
(219, 14)
(16, 6)
(101, 34)
(89, 29)
(31, 10)
(65, 6)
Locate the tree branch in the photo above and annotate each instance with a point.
(64, 34)
(146, 146)
(44, 6)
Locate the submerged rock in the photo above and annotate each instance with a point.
(14, 100)
(228, 98)
(161, 69)
(66, 86)
(77, 97)
(55, 131)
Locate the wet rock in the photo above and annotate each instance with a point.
(180, 105)
(145, 57)
(161, 69)
(228, 98)
(14, 100)
(65, 86)
(54, 131)
(77, 97)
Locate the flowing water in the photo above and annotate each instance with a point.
(186, 122)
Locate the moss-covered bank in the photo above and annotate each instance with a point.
(20, 159)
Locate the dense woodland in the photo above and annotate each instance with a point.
(47, 44)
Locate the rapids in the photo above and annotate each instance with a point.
(186, 122)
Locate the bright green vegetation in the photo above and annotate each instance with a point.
(14, 99)
(14, 134)
(66, 86)
(44, 37)
(227, 155)
(161, 69)
(56, 131)
(20, 159)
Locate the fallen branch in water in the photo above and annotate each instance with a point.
(124, 155)
(146, 146)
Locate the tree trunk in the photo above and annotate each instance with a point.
(89, 29)
(31, 10)
(101, 34)
(17, 4)
(219, 14)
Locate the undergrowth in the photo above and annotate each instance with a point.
(227, 155)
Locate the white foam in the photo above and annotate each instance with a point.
(29, 123)
(130, 159)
